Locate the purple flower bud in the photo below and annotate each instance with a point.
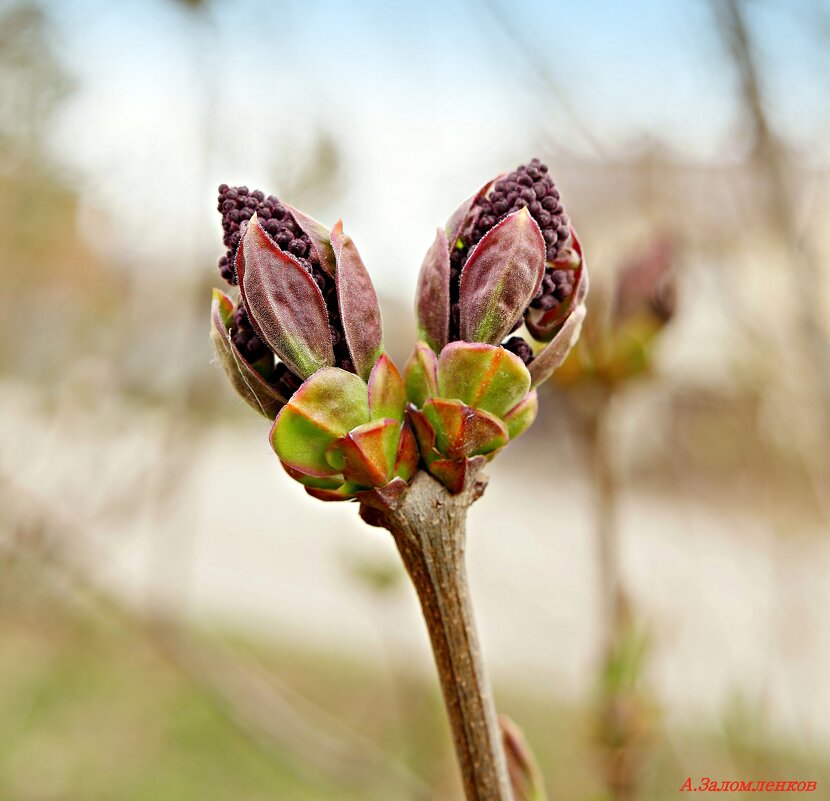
(509, 278)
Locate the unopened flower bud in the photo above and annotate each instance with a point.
(507, 257)
(305, 345)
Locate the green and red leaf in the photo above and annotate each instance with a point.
(522, 415)
(369, 452)
(387, 391)
(421, 374)
(487, 377)
(325, 408)
(461, 430)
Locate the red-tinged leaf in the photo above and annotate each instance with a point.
(384, 499)
(247, 382)
(432, 303)
(500, 278)
(451, 473)
(369, 452)
(359, 310)
(553, 355)
(461, 430)
(406, 463)
(424, 434)
(317, 482)
(285, 305)
(543, 325)
(487, 377)
(421, 374)
(522, 415)
(345, 493)
(320, 237)
(325, 408)
(387, 391)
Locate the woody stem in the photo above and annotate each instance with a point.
(429, 528)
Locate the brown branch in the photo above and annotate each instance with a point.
(429, 528)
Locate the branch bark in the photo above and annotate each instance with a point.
(429, 528)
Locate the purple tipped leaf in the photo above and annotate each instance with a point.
(487, 377)
(463, 219)
(387, 392)
(359, 310)
(247, 382)
(543, 324)
(285, 305)
(500, 278)
(433, 294)
(320, 237)
(553, 355)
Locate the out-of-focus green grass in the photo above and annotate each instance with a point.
(92, 710)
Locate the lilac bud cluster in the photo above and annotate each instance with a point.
(530, 186)
(237, 204)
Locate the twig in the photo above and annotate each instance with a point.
(429, 528)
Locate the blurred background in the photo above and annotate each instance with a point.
(651, 562)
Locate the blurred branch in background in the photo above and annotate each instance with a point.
(615, 349)
(774, 163)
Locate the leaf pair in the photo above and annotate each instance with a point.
(340, 437)
(288, 309)
(466, 404)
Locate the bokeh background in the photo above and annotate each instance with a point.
(179, 621)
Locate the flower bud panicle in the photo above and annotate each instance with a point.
(245, 338)
(237, 204)
(529, 186)
(519, 347)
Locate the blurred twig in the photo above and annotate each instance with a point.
(548, 81)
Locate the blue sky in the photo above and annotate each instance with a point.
(424, 98)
